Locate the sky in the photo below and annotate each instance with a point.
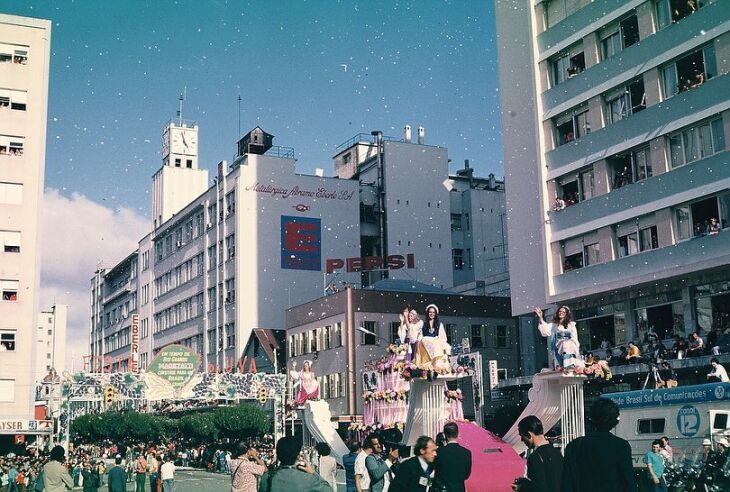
(312, 72)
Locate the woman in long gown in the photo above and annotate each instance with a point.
(562, 338)
(308, 384)
(433, 341)
(409, 330)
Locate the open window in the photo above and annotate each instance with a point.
(696, 219)
(671, 11)
(697, 142)
(568, 63)
(625, 101)
(629, 167)
(690, 71)
(7, 340)
(572, 254)
(619, 36)
(9, 290)
(577, 187)
(571, 125)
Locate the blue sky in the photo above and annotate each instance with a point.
(118, 67)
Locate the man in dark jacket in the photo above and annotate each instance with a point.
(117, 476)
(416, 474)
(599, 462)
(453, 462)
(545, 463)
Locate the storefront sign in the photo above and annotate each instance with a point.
(301, 243)
(134, 365)
(18, 426)
(357, 264)
(176, 364)
(275, 190)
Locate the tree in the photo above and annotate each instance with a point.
(199, 427)
(241, 422)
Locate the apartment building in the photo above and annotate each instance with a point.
(24, 63)
(616, 116)
(50, 342)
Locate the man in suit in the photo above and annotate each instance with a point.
(453, 463)
(613, 471)
(416, 474)
(117, 476)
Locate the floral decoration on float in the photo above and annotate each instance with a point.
(599, 370)
(453, 395)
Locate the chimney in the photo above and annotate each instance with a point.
(407, 134)
(492, 182)
(421, 135)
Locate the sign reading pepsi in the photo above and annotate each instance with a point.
(301, 243)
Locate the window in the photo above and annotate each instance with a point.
(627, 100)
(696, 142)
(231, 203)
(683, 223)
(231, 335)
(231, 246)
(628, 244)
(367, 339)
(230, 290)
(455, 222)
(189, 163)
(650, 426)
(620, 36)
(571, 125)
(671, 11)
(338, 335)
(7, 390)
(502, 336)
(568, 64)
(394, 325)
(648, 238)
(9, 289)
(637, 235)
(558, 10)
(690, 71)
(7, 340)
(11, 193)
(458, 257)
(592, 254)
(476, 336)
(10, 241)
(577, 187)
(211, 257)
(20, 56)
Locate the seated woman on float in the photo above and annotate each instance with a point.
(433, 344)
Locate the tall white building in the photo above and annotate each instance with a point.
(24, 61)
(616, 116)
(51, 341)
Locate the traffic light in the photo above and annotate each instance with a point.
(262, 395)
(110, 394)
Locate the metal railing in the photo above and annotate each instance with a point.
(274, 151)
(364, 138)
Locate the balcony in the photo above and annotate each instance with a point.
(684, 258)
(118, 289)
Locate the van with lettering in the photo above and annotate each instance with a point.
(686, 415)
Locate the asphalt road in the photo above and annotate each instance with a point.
(198, 480)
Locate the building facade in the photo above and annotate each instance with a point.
(615, 121)
(24, 66)
(263, 238)
(51, 341)
(325, 332)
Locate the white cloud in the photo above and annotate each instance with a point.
(78, 235)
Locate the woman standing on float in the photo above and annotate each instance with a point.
(563, 338)
(308, 385)
(433, 338)
(409, 330)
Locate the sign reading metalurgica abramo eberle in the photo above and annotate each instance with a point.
(176, 364)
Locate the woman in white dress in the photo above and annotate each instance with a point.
(562, 338)
(327, 464)
(308, 385)
(433, 338)
(409, 330)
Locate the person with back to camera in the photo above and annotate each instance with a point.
(246, 468)
(453, 461)
(611, 472)
(294, 473)
(327, 464)
(55, 475)
(545, 463)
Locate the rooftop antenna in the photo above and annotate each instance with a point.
(180, 102)
(239, 115)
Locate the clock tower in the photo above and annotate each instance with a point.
(179, 180)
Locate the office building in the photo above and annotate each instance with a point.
(616, 116)
(51, 342)
(24, 63)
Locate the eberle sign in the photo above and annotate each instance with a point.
(176, 364)
(357, 264)
(134, 366)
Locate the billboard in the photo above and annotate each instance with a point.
(301, 243)
(176, 364)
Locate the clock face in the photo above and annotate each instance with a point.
(184, 142)
(165, 143)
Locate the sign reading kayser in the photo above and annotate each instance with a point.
(176, 364)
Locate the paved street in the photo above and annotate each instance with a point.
(197, 480)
